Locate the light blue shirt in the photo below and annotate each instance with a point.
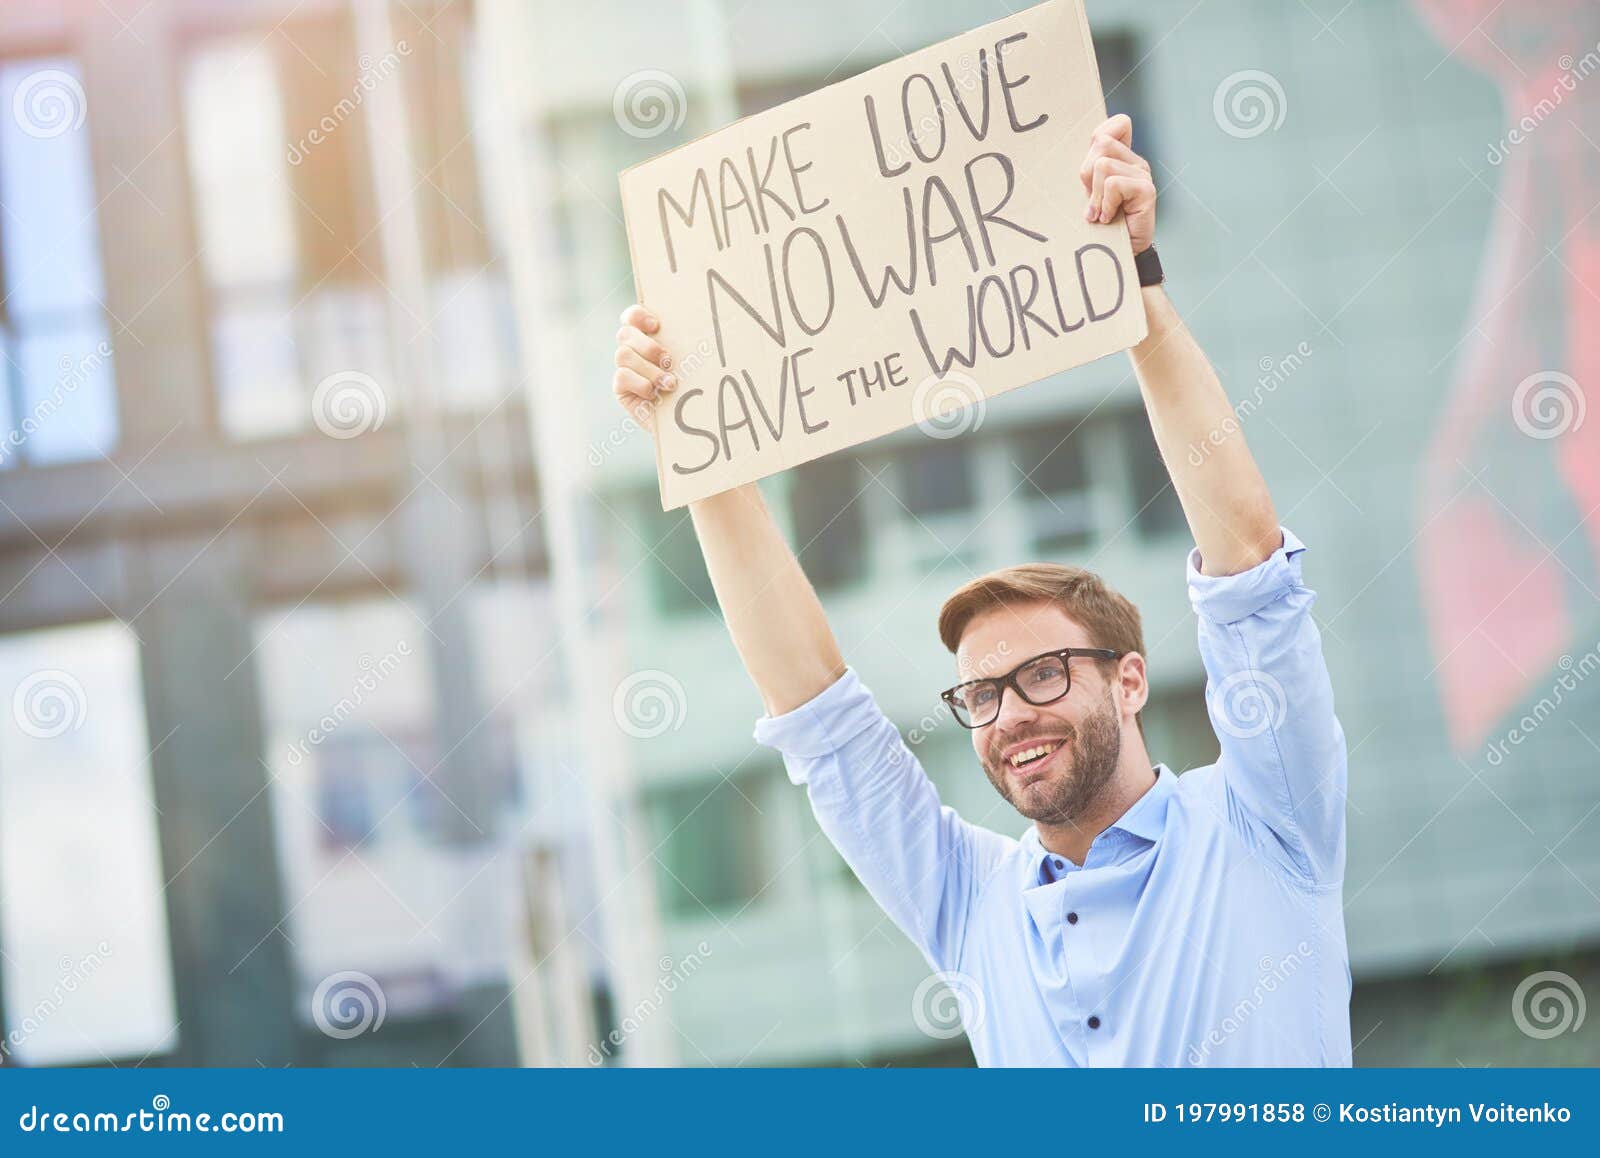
(1205, 927)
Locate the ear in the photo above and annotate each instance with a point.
(1132, 687)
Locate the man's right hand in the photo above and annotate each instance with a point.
(643, 366)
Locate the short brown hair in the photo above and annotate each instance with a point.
(1109, 617)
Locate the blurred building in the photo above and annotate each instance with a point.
(366, 708)
(1334, 297)
(287, 776)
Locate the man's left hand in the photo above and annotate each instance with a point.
(1118, 180)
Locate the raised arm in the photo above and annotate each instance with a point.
(792, 656)
(919, 860)
(1224, 498)
(1283, 762)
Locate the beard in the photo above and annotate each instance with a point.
(1069, 793)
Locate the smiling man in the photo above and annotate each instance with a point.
(1142, 919)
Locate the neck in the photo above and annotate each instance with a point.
(1135, 776)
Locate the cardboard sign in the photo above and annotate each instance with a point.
(881, 252)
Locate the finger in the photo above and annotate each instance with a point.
(630, 359)
(630, 387)
(650, 349)
(1119, 127)
(1124, 191)
(1104, 169)
(641, 319)
(1107, 146)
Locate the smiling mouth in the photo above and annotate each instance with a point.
(1031, 757)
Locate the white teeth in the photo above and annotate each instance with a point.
(1031, 753)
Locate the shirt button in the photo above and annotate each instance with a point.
(1058, 864)
(1094, 1021)
(1072, 918)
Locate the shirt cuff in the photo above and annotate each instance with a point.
(1229, 598)
(824, 723)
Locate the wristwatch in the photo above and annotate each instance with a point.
(1149, 267)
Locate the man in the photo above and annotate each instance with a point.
(1143, 919)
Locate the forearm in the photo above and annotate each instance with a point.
(1224, 497)
(771, 610)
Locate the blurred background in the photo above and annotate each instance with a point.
(361, 706)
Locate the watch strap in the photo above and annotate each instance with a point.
(1149, 268)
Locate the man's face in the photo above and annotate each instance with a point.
(1082, 730)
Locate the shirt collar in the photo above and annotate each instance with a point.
(1146, 818)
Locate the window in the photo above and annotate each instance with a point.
(1055, 486)
(1118, 56)
(681, 582)
(1155, 503)
(936, 478)
(59, 400)
(87, 956)
(285, 234)
(1178, 730)
(469, 307)
(825, 505)
(710, 838)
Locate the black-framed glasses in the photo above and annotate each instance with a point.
(1044, 679)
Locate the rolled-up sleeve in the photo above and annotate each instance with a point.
(920, 861)
(1270, 701)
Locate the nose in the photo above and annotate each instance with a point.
(1014, 712)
